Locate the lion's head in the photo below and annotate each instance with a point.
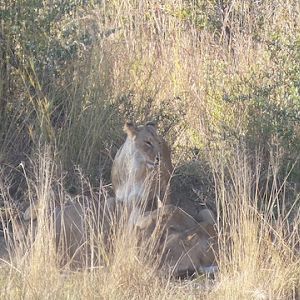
(142, 167)
(182, 245)
(191, 250)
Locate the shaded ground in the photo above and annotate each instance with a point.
(192, 188)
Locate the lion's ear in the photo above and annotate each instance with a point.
(145, 221)
(151, 123)
(151, 126)
(159, 203)
(130, 129)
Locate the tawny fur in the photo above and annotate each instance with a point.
(183, 245)
(142, 168)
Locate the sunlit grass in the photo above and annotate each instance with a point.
(216, 79)
(256, 255)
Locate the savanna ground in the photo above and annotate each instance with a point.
(222, 78)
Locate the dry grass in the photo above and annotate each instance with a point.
(259, 256)
(217, 74)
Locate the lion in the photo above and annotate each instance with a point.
(77, 226)
(142, 168)
(182, 245)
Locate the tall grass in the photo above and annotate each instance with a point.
(258, 257)
(171, 61)
(218, 75)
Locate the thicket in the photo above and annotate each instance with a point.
(218, 76)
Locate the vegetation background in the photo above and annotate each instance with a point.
(221, 77)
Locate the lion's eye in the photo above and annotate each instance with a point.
(149, 144)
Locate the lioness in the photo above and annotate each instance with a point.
(182, 245)
(142, 168)
(77, 226)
